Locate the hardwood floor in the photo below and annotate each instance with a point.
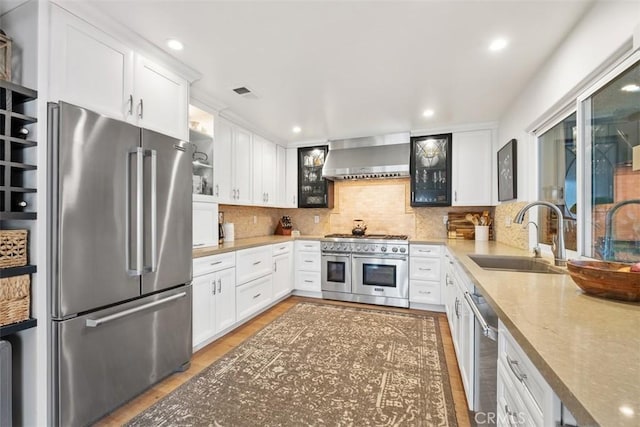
(220, 347)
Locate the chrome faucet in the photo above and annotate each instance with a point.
(536, 248)
(559, 253)
(609, 253)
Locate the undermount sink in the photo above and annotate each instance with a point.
(515, 263)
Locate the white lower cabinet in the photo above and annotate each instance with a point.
(425, 275)
(282, 269)
(253, 296)
(308, 263)
(253, 263)
(214, 296)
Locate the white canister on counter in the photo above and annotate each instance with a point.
(482, 233)
(229, 231)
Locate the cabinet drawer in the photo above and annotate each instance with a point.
(213, 263)
(424, 292)
(424, 268)
(429, 251)
(253, 263)
(308, 281)
(522, 371)
(511, 408)
(253, 296)
(308, 261)
(308, 245)
(281, 248)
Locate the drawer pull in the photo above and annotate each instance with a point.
(424, 269)
(308, 246)
(257, 262)
(425, 250)
(308, 281)
(513, 364)
(198, 244)
(424, 292)
(510, 416)
(308, 261)
(216, 263)
(256, 296)
(378, 289)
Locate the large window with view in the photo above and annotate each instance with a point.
(611, 132)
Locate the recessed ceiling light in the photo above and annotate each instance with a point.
(631, 88)
(296, 129)
(175, 44)
(498, 44)
(428, 113)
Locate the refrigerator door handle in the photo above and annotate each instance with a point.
(137, 271)
(154, 211)
(92, 323)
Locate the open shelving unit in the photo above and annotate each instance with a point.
(15, 204)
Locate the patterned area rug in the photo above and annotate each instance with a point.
(321, 364)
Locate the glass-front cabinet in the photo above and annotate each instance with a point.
(313, 190)
(430, 167)
(201, 136)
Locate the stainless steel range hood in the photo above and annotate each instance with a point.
(384, 156)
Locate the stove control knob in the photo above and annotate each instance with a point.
(366, 248)
(403, 250)
(357, 247)
(394, 249)
(383, 249)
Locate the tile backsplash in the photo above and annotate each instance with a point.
(384, 205)
(508, 232)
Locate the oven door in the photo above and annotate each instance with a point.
(336, 272)
(381, 275)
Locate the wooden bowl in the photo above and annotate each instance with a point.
(604, 279)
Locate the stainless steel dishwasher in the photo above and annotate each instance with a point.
(485, 358)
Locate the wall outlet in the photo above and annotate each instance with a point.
(255, 219)
(316, 219)
(507, 222)
(445, 219)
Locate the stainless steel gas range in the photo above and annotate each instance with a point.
(371, 269)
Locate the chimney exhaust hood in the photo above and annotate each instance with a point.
(369, 157)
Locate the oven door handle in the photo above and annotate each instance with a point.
(336, 254)
(380, 256)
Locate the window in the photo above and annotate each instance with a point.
(611, 132)
(557, 148)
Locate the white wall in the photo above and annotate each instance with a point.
(605, 29)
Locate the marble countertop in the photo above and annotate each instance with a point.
(587, 348)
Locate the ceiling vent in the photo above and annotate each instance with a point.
(245, 92)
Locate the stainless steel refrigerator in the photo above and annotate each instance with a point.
(120, 260)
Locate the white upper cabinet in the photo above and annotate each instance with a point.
(471, 168)
(88, 67)
(291, 185)
(264, 172)
(281, 176)
(222, 166)
(91, 69)
(242, 166)
(162, 99)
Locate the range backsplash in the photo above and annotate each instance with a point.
(384, 205)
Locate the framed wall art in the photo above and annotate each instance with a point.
(507, 172)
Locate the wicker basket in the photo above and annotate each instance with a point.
(13, 248)
(15, 299)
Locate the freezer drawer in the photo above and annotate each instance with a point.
(102, 360)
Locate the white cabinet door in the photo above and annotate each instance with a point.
(471, 158)
(253, 296)
(203, 308)
(222, 166)
(161, 99)
(281, 176)
(225, 312)
(282, 275)
(264, 171)
(291, 186)
(88, 67)
(205, 224)
(242, 165)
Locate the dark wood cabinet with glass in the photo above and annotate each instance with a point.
(313, 190)
(430, 167)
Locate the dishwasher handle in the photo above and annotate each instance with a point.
(487, 330)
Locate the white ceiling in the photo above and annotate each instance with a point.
(355, 68)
